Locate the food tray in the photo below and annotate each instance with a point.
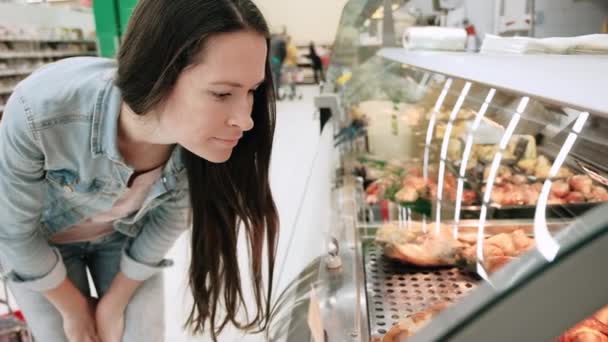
(387, 210)
(395, 290)
(553, 211)
(376, 213)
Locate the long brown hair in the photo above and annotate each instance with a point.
(162, 39)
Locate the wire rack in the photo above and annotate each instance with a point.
(395, 291)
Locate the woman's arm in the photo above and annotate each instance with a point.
(144, 255)
(142, 258)
(110, 311)
(76, 310)
(34, 264)
(66, 298)
(120, 293)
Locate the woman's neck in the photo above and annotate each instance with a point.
(140, 142)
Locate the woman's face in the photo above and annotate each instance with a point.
(210, 106)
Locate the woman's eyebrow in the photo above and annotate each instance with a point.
(234, 84)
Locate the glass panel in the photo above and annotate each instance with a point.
(360, 33)
(459, 179)
(501, 173)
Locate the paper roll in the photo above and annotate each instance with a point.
(435, 38)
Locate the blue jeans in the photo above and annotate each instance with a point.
(144, 317)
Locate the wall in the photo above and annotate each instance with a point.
(558, 17)
(44, 16)
(315, 20)
(481, 14)
(570, 17)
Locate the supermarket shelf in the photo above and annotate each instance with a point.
(14, 55)
(32, 40)
(20, 72)
(6, 90)
(565, 80)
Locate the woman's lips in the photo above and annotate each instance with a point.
(232, 142)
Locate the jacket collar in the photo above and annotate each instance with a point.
(104, 137)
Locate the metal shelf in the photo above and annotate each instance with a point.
(6, 90)
(12, 72)
(41, 40)
(15, 55)
(566, 80)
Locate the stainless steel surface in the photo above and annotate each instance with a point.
(395, 291)
(340, 303)
(332, 102)
(341, 291)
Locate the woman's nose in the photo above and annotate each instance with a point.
(242, 119)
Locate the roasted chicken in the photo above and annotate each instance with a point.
(413, 323)
(416, 246)
(593, 329)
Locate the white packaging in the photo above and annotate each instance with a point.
(593, 44)
(512, 45)
(435, 38)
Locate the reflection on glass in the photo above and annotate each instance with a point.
(545, 243)
(405, 217)
(490, 183)
(465, 158)
(431, 128)
(444, 150)
(422, 86)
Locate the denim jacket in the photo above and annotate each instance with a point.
(59, 164)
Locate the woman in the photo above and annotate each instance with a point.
(103, 164)
(317, 64)
(291, 66)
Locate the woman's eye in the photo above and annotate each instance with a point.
(221, 96)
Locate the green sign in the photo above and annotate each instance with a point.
(111, 19)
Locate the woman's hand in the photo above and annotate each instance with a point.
(110, 312)
(77, 311)
(109, 317)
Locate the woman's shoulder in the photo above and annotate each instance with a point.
(69, 72)
(67, 87)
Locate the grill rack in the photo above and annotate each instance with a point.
(395, 290)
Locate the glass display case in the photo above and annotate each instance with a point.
(468, 203)
(365, 27)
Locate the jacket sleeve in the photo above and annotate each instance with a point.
(23, 250)
(144, 256)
